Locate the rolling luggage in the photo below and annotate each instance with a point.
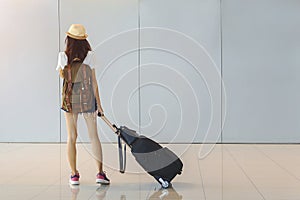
(158, 161)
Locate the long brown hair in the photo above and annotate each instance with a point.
(76, 49)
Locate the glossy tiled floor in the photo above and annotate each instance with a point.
(233, 172)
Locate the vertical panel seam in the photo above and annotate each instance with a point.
(59, 81)
(59, 96)
(139, 67)
(221, 68)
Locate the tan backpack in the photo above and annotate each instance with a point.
(77, 93)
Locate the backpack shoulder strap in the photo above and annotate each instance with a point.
(85, 79)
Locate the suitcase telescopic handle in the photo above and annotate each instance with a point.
(112, 126)
(122, 151)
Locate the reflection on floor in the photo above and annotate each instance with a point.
(40, 172)
(101, 193)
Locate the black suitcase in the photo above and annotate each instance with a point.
(159, 162)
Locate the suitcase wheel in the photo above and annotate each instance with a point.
(164, 184)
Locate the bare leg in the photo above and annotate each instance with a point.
(91, 122)
(71, 122)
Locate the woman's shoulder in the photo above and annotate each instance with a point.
(90, 58)
(62, 56)
(90, 54)
(62, 53)
(62, 60)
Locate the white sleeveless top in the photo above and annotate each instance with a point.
(63, 60)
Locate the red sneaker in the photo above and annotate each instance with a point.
(74, 180)
(102, 178)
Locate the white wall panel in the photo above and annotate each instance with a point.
(177, 82)
(112, 29)
(261, 70)
(29, 47)
(180, 61)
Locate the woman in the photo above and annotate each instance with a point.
(78, 58)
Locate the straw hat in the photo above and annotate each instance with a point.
(77, 31)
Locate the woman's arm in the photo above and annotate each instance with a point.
(61, 63)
